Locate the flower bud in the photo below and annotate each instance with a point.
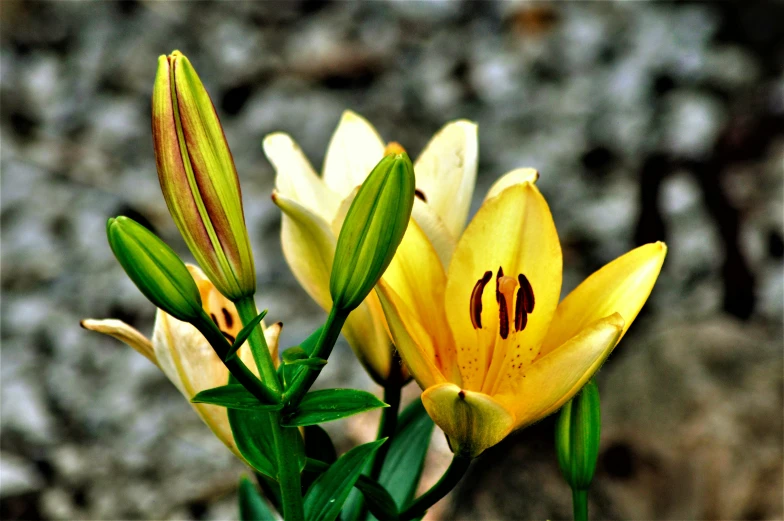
(373, 228)
(155, 269)
(198, 177)
(577, 433)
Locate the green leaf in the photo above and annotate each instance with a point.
(326, 496)
(244, 333)
(233, 396)
(331, 404)
(318, 445)
(252, 431)
(406, 457)
(377, 499)
(309, 344)
(252, 505)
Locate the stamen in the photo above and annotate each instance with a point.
(498, 284)
(521, 317)
(476, 299)
(419, 193)
(528, 295)
(227, 317)
(214, 319)
(229, 337)
(503, 316)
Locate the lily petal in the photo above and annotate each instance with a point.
(353, 151)
(472, 421)
(295, 177)
(515, 231)
(309, 248)
(437, 233)
(124, 333)
(446, 173)
(552, 380)
(515, 177)
(417, 277)
(414, 344)
(621, 286)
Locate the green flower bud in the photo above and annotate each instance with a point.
(155, 269)
(198, 177)
(373, 228)
(577, 433)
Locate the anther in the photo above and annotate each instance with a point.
(476, 299)
(528, 293)
(503, 316)
(498, 284)
(229, 337)
(521, 317)
(419, 193)
(227, 317)
(214, 319)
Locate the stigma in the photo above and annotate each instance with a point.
(513, 309)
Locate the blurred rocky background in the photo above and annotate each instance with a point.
(647, 121)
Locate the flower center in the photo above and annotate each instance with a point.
(509, 305)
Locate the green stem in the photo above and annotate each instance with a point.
(448, 481)
(580, 504)
(258, 344)
(235, 365)
(329, 335)
(386, 427)
(289, 478)
(285, 439)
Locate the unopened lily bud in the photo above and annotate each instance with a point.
(198, 177)
(577, 433)
(155, 269)
(372, 231)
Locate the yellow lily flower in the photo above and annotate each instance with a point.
(185, 356)
(487, 340)
(314, 208)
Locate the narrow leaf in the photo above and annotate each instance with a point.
(233, 396)
(331, 404)
(406, 457)
(292, 354)
(377, 499)
(326, 496)
(244, 333)
(252, 505)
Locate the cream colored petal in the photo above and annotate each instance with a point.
(122, 332)
(353, 151)
(295, 177)
(514, 230)
(473, 422)
(437, 233)
(515, 177)
(190, 363)
(621, 286)
(309, 247)
(555, 378)
(446, 173)
(413, 342)
(342, 211)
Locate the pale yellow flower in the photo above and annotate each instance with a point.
(186, 358)
(314, 208)
(487, 339)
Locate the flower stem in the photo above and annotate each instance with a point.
(289, 478)
(580, 504)
(386, 427)
(329, 335)
(286, 446)
(448, 481)
(258, 344)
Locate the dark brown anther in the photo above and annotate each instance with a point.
(528, 295)
(227, 317)
(498, 284)
(521, 317)
(214, 319)
(229, 337)
(476, 299)
(461, 394)
(419, 193)
(503, 317)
